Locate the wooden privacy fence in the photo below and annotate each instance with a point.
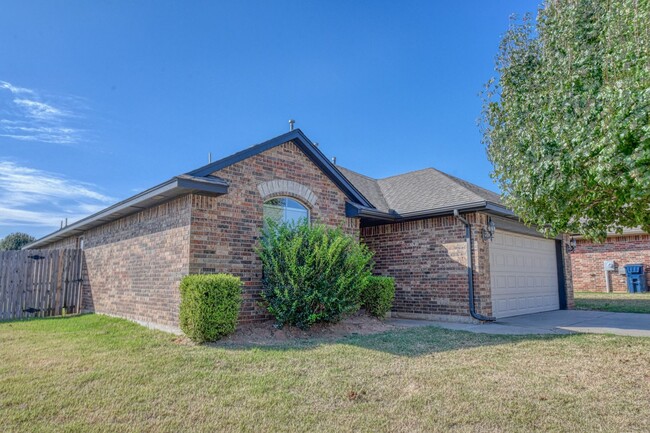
(39, 283)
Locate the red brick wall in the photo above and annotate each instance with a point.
(133, 266)
(225, 229)
(428, 259)
(588, 257)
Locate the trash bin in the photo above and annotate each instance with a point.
(636, 281)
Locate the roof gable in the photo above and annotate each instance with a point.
(202, 180)
(307, 147)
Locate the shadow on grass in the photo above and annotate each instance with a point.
(42, 319)
(409, 342)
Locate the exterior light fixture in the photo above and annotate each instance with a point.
(571, 245)
(488, 232)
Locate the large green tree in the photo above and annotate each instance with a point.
(566, 121)
(15, 241)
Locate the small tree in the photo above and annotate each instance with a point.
(567, 120)
(312, 273)
(15, 241)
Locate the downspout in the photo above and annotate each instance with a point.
(470, 270)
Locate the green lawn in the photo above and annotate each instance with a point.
(94, 373)
(616, 302)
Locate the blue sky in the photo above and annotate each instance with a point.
(100, 100)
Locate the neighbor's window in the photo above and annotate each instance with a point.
(285, 209)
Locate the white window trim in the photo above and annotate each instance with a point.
(297, 200)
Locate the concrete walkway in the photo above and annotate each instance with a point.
(551, 322)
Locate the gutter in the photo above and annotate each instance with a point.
(174, 187)
(470, 270)
(353, 210)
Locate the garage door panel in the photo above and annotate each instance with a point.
(523, 274)
(513, 306)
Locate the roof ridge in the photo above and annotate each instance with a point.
(407, 172)
(357, 173)
(460, 182)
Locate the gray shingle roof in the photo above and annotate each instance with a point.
(367, 186)
(421, 190)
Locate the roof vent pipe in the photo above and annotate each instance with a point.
(470, 270)
(334, 160)
(291, 122)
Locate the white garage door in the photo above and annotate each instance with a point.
(523, 273)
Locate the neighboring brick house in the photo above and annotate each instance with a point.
(209, 220)
(588, 260)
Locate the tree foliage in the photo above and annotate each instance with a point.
(567, 121)
(15, 241)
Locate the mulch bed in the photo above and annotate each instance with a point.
(266, 334)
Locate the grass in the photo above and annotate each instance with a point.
(95, 373)
(614, 302)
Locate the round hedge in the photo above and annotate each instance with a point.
(378, 295)
(209, 306)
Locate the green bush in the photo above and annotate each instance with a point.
(209, 306)
(378, 295)
(311, 273)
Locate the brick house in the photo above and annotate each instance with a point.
(588, 258)
(422, 226)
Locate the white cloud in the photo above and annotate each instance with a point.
(28, 116)
(15, 89)
(42, 134)
(11, 217)
(89, 208)
(32, 197)
(38, 110)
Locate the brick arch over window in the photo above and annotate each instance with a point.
(274, 188)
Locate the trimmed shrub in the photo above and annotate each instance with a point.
(311, 273)
(378, 295)
(209, 306)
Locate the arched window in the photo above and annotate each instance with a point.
(285, 209)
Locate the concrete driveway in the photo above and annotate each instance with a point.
(553, 322)
(593, 322)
